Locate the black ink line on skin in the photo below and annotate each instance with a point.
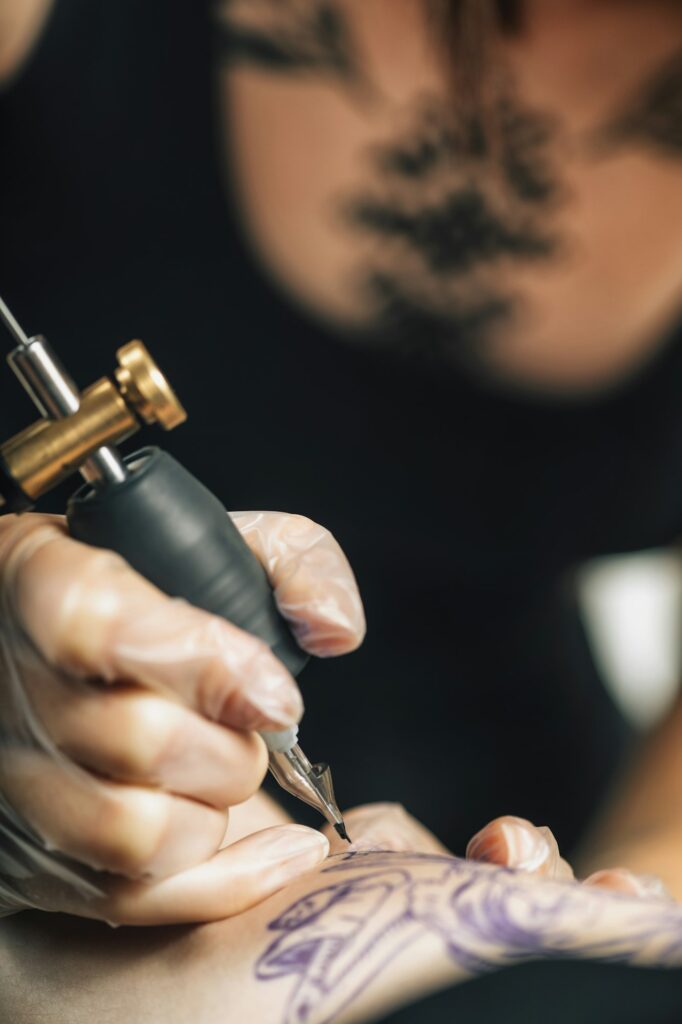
(447, 203)
(457, 234)
(653, 119)
(298, 37)
(412, 327)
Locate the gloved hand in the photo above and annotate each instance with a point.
(127, 725)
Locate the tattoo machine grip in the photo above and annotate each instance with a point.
(176, 533)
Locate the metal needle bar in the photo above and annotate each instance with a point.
(12, 324)
(55, 394)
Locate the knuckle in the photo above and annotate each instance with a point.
(251, 765)
(19, 543)
(393, 808)
(93, 609)
(106, 563)
(129, 832)
(227, 672)
(302, 533)
(151, 731)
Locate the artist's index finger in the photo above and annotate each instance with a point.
(314, 585)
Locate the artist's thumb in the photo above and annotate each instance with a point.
(233, 880)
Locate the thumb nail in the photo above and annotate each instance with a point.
(289, 849)
(511, 842)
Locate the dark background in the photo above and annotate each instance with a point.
(463, 509)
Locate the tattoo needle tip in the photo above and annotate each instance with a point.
(341, 829)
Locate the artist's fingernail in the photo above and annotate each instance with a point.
(338, 627)
(289, 849)
(279, 702)
(270, 697)
(512, 842)
(623, 880)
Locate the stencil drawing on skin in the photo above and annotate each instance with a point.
(374, 904)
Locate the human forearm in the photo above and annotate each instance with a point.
(20, 24)
(642, 827)
(365, 932)
(379, 929)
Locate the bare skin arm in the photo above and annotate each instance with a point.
(20, 24)
(370, 930)
(643, 827)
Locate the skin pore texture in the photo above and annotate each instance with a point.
(374, 927)
(498, 234)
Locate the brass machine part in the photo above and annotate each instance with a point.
(49, 451)
(145, 388)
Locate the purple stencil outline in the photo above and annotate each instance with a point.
(338, 939)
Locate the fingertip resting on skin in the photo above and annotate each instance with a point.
(623, 880)
(233, 880)
(384, 826)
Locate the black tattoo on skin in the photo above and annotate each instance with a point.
(654, 118)
(370, 908)
(288, 36)
(456, 196)
(456, 200)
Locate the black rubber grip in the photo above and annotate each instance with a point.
(173, 531)
(14, 499)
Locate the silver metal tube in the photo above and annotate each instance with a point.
(311, 783)
(55, 394)
(44, 378)
(11, 324)
(104, 466)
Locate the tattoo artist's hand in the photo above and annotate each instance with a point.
(127, 725)
(517, 843)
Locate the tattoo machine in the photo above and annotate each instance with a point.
(150, 510)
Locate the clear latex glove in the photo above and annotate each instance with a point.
(127, 726)
(517, 843)
(314, 586)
